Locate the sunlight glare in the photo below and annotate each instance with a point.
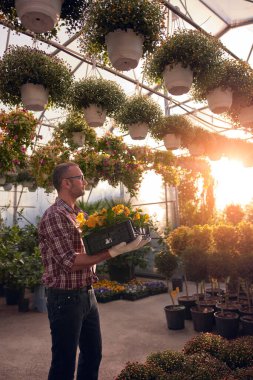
(233, 183)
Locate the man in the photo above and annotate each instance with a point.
(69, 275)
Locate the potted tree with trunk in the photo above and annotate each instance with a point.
(34, 78)
(124, 31)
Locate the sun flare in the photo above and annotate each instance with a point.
(233, 183)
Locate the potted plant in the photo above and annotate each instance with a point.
(244, 263)
(138, 115)
(199, 142)
(25, 178)
(17, 130)
(34, 78)
(97, 98)
(44, 16)
(43, 161)
(166, 263)
(111, 226)
(223, 81)
(175, 314)
(76, 131)
(182, 58)
(175, 130)
(125, 31)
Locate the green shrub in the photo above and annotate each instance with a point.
(206, 342)
(239, 353)
(138, 371)
(169, 361)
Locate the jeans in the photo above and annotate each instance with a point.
(74, 320)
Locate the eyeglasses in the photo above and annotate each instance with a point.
(81, 177)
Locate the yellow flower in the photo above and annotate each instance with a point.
(92, 221)
(81, 219)
(137, 216)
(146, 218)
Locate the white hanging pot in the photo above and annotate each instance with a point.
(39, 16)
(34, 96)
(172, 141)
(32, 187)
(245, 116)
(26, 183)
(178, 79)
(78, 138)
(219, 100)
(124, 49)
(2, 180)
(7, 186)
(196, 149)
(138, 131)
(94, 115)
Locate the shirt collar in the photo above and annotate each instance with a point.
(60, 202)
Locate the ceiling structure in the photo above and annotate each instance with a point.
(230, 20)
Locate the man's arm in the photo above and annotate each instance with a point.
(82, 260)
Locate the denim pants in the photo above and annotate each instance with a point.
(74, 321)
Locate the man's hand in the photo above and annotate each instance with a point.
(121, 248)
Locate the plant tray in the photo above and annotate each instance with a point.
(107, 237)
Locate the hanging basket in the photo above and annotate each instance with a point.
(34, 96)
(172, 141)
(124, 49)
(39, 16)
(196, 149)
(178, 79)
(2, 180)
(245, 117)
(219, 100)
(7, 186)
(94, 116)
(78, 138)
(138, 131)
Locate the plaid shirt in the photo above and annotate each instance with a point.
(60, 241)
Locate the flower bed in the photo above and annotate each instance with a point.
(107, 291)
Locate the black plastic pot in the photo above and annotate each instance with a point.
(247, 324)
(188, 302)
(13, 295)
(214, 292)
(246, 310)
(231, 306)
(23, 305)
(202, 318)
(175, 316)
(227, 324)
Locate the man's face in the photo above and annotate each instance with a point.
(75, 181)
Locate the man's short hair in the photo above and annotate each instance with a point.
(60, 172)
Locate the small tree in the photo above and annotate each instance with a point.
(166, 263)
(234, 213)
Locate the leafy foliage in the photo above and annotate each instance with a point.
(104, 93)
(138, 109)
(190, 48)
(145, 17)
(23, 64)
